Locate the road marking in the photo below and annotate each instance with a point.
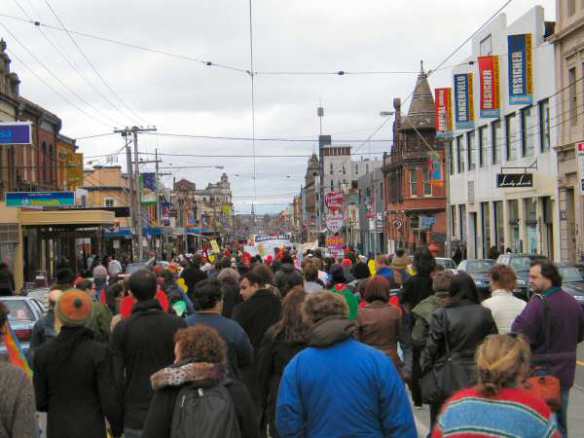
(579, 362)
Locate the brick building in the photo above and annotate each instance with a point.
(415, 203)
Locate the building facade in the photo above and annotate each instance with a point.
(337, 169)
(568, 41)
(215, 206)
(485, 212)
(371, 212)
(415, 203)
(309, 194)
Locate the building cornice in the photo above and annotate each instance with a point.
(558, 36)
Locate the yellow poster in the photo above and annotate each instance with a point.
(74, 170)
(215, 247)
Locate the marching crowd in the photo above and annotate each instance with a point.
(252, 347)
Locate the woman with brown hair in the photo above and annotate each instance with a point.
(280, 344)
(194, 397)
(503, 305)
(379, 321)
(497, 406)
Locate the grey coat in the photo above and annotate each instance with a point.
(17, 405)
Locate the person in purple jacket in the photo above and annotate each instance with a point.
(566, 329)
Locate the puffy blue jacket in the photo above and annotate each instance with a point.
(347, 389)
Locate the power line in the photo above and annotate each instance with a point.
(274, 139)
(67, 60)
(105, 134)
(97, 73)
(227, 155)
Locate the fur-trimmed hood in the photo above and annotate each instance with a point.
(198, 373)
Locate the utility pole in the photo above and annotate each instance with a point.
(137, 192)
(130, 173)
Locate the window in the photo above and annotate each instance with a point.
(483, 145)
(413, 182)
(527, 137)
(497, 141)
(331, 168)
(462, 221)
(499, 224)
(571, 7)
(450, 158)
(459, 154)
(344, 171)
(470, 149)
(511, 133)
(356, 169)
(453, 221)
(572, 95)
(486, 223)
(486, 46)
(428, 182)
(544, 125)
(109, 202)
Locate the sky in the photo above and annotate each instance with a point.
(95, 85)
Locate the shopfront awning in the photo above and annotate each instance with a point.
(197, 231)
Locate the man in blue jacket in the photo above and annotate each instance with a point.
(339, 387)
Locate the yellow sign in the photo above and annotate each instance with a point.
(227, 210)
(74, 170)
(215, 247)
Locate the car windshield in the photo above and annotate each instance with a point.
(479, 266)
(446, 263)
(18, 310)
(520, 263)
(570, 274)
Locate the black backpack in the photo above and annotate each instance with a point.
(205, 413)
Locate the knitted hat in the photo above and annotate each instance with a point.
(74, 308)
(400, 262)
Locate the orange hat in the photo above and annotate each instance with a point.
(173, 267)
(74, 308)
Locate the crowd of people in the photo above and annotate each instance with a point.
(283, 347)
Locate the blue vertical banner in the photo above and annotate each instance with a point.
(149, 180)
(464, 101)
(520, 57)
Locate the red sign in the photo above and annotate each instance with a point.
(335, 242)
(489, 80)
(443, 111)
(334, 200)
(580, 148)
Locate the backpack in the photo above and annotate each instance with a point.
(205, 413)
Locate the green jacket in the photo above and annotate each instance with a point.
(422, 316)
(100, 321)
(350, 298)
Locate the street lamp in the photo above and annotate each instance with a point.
(386, 113)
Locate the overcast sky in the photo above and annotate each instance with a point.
(186, 97)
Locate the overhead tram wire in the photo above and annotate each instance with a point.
(68, 61)
(53, 89)
(129, 110)
(274, 139)
(162, 154)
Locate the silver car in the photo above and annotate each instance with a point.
(24, 312)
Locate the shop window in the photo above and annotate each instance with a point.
(499, 224)
(513, 213)
(462, 221)
(530, 206)
(544, 125)
(486, 226)
(470, 150)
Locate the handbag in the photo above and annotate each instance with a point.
(541, 383)
(456, 373)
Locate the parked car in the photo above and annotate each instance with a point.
(572, 281)
(446, 262)
(24, 312)
(521, 264)
(479, 271)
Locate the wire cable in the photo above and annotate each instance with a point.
(273, 139)
(129, 110)
(252, 81)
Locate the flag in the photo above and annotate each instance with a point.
(15, 354)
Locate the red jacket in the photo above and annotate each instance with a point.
(128, 302)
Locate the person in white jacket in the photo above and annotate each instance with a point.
(503, 305)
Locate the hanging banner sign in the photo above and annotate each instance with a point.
(464, 101)
(335, 222)
(436, 167)
(15, 133)
(334, 200)
(489, 80)
(520, 57)
(443, 112)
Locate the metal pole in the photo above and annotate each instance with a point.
(139, 224)
(132, 199)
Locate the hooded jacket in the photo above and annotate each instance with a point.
(168, 382)
(339, 387)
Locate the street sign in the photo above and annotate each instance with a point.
(40, 199)
(15, 133)
(335, 222)
(426, 222)
(514, 180)
(580, 148)
(334, 200)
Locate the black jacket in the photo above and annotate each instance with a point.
(231, 296)
(465, 325)
(416, 289)
(168, 383)
(42, 331)
(73, 383)
(257, 314)
(142, 345)
(273, 356)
